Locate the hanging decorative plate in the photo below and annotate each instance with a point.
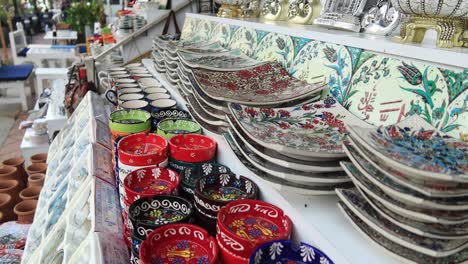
(424, 153)
(429, 246)
(285, 251)
(232, 60)
(267, 84)
(275, 47)
(314, 130)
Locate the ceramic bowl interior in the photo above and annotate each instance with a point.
(149, 82)
(125, 80)
(178, 126)
(113, 73)
(192, 147)
(134, 104)
(127, 85)
(190, 175)
(163, 103)
(130, 116)
(129, 90)
(151, 90)
(157, 96)
(131, 96)
(142, 144)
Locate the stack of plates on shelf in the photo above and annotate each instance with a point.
(412, 195)
(295, 148)
(138, 22)
(126, 24)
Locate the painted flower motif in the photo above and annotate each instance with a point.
(281, 43)
(438, 113)
(238, 223)
(324, 260)
(178, 260)
(308, 126)
(267, 111)
(329, 101)
(284, 113)
(210, 179)
(307, 253)
(275, 250)
(251, 111)
(182, 244)
(284, 125)
(255, 233)
(231, 86)
(237, 107)
(415, 109)
(258, 256)
(281, 84)
(410, 73)
(306, 107)
(203, 260)
(330, 54)
(246, 74)
(264, 68)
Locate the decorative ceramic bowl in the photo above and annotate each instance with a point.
(192, 148)
(179, 243)
(150, 181)
(156, 96)
(136, 243)
(288, 253)
(121, 86)
(170, 127)
(190, 176)
(180, 166)
(244, 225)
(149, 213)
(229, 257)
(142, 149)
(162, 104)
(131, 121)
(134, 105)
(149, 82)
(151, 90)
(130, 96)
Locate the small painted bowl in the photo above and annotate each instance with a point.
(131, 121)
(150, 181)
(129, 90)
(142, 149)
(192, 148)
(190, 176)
(204, 220)
(170, 127)
(213, 192)
(162, 104)
(149, 82)
(244, 225)
(289, 253)
(147, 214)
(229, 257)
(134, 105)
(130, 96)
(151, 90)
(179, 243)
(180, 166)
(156, 96)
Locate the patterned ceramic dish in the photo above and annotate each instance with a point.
(218, 105)
(168, 113)
(170, 127)
(130, 121)
(215, 113)
(180, 166)
(405, 147)
(149, 213)
(142, 149)
(200, 47)
(190, 176)
(429, 246)
(179, 243)
(400, 192)
(214, 129)
(419, 214)
(229, 257)
(288, 252)
(192, 148)
(282, 184)
(403, 253)
(162, 104)
(299, 177)
(244, 225)
(267, 84)
(150, 181)
(232, 60)
(314, 131)
(203, 114)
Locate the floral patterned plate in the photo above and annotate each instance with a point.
(414, 149)
(218, 105)
(267, 84)
(203, 115)
(400, 192)
(276, 158)
(217, 114)
(429, 246)
(282, 184)
(404, 254)
(212, 128)
(314, 130)
(232, 60)
(415, 213)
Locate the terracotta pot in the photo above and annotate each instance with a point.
(6, 208)
(25, 211)
(30, 193)
(12, 188)
(36, 179)
(36, 168)
(18, 162)
(39, 158)
(8, 172)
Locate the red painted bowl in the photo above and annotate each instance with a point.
(244, 225)
(179, 243)
(150, 181)
(192, 148)
(142, 149)
(229, 257)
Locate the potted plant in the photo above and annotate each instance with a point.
(81, 14)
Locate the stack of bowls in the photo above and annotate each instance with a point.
(170, 127)
(190, 176)
(190, 151)
(123, 123)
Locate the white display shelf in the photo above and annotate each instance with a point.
(426, 51)
(317, 219)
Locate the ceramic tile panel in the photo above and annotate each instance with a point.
(380, 90)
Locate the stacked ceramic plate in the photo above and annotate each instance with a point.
(295, 148)
(412, 195)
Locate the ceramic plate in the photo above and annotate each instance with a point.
(218, 105)
(431, 189)
(429, 246)
(415, 213)
(282, 184)
(212, 128)
(283, 161)
(267, 84)
(400, 192)
(232, 60)
(117, 69)
(416, 149)
(405, 254)
(292, 175)
(209, 110)
(119, 81)
(201, 113)
(314, 130)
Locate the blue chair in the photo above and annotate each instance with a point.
(14, 77)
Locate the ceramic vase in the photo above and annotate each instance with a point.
(8, 172)
(18, 162)
(12, 188)
(6, 208)
(39, 158)
(25, 211)
(36, 179)
(30, 193)
(36, 168)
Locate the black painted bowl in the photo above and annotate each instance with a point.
(189, 176)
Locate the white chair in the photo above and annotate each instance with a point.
(15, 77)
(18, 45)
(48, 74)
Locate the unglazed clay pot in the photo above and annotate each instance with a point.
(36, 179)
(39, 158)
(36, 168)
(18, 162)
(30, 193)
(25, 211)
(8, 172)
(6, 208)
(12, 188)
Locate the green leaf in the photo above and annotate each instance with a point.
(450, 128)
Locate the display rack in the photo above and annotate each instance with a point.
(79, 196)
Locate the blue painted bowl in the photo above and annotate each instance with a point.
(285, 251)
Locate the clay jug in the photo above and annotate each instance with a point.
(12, 188)
(39, 158)
(36, 168)
(30, 193)
(25, 211)
(6, 208)
(18, 162)
(8, 172)
(36, 179)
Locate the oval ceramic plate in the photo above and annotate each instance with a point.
(232, 60)
(124, 81)
(149, 82)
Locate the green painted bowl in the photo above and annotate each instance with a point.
(170, 127)
(130, 121)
